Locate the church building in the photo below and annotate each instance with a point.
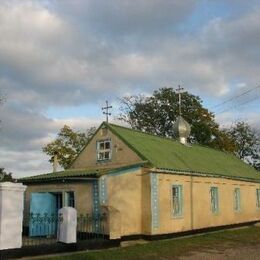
(150, 185)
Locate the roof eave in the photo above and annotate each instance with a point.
(202, 174)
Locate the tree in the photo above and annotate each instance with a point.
(156, 114)
(4, 176)
(67, 145)
(247, 142)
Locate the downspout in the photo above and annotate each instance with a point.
(191, 202)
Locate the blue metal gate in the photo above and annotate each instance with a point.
(43, 211)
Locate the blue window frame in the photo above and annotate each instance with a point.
(214, 199)
(104, 150)
(177, 201)
(237, 199)
(258, 198)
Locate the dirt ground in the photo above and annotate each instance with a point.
(247, 252)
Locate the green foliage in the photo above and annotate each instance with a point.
(67, 145)
(247, 142)
(4, 176)
(156, 114)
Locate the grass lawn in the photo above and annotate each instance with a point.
(172, 248)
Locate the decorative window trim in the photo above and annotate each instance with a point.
(155, 210)
(102, 183)
(258, 199)
(214, 200)
(237, 200)
(104, 154)
(179, 199)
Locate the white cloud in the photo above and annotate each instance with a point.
(69, 53)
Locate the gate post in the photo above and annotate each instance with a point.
(11, 214)
(67, 227)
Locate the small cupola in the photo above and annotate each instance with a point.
(181, 129)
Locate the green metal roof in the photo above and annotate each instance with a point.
(62, 175)
(166, 153)
(75, 173)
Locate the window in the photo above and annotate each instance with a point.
(104, 150)
(237, 205)
(69, 199)
(214, 199)
(177, 200)
(258, 198)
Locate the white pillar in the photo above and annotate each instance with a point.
(11, 214)
(67, 228)
(183, 140)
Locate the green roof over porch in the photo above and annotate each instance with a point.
(75, 173)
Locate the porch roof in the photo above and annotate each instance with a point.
(76, 173)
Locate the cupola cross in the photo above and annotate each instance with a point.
(106, 112)
(179, 91)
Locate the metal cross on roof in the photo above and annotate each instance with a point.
(106, 112)
(179, 91)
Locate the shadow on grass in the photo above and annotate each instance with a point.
(174, 248)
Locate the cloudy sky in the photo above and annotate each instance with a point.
(60, 61)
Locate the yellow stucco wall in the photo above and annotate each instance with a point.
(125, 195)
(121, 153)
(82, 192)
(129, 197)
(202, 215)
(146, 204)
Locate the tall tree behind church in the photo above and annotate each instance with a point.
(247, 141)
(67, 145)
(156, 114)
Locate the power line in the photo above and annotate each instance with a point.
(235, 97)
(236, 106)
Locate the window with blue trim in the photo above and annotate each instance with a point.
(258, 198)
(104, 150)
(214, 199)
(237, 204)
(177, 202)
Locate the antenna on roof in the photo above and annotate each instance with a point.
(179, 91)
(106, 112)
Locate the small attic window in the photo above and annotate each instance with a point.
(104, 150)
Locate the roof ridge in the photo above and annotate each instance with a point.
(142, 132)
(169, 138)
(114, 131)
